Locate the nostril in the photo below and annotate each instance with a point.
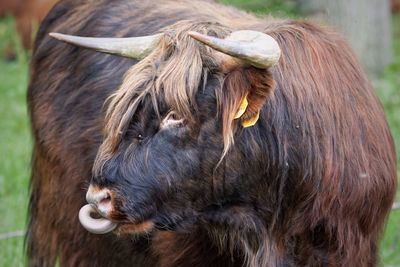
(95, 195)
(100, 199)
(105, 200)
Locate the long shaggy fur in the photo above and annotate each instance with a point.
(321, 148)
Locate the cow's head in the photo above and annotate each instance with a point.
(169, 159)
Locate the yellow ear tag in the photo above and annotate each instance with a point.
(250, 122)
(242, 108)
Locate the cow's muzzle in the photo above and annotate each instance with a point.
(99, 206)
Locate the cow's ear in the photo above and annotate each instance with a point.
(246, 56)
(245, 92)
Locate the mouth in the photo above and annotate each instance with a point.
(93, 222)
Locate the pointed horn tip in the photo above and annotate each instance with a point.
(193, 33)
(197, 36)
(56, 35)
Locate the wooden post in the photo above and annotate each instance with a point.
(365, 23)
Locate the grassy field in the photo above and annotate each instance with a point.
(15, 143)
(388, 90)
(15, 147)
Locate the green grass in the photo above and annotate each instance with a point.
(15, 147)
(277, 7)
(15, 143)
(388, 90)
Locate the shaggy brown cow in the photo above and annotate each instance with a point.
(179, 169)
(395, 5)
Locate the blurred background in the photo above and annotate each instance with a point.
(371, 26)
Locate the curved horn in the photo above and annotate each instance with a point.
(250, 47)
(132, 47)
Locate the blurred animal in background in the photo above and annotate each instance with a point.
(395, 6)
(28, 14)
(209, 137)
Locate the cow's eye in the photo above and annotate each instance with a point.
(172, 120)
(139, 137)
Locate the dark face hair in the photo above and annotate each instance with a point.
(165, 151)
(171, 174)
